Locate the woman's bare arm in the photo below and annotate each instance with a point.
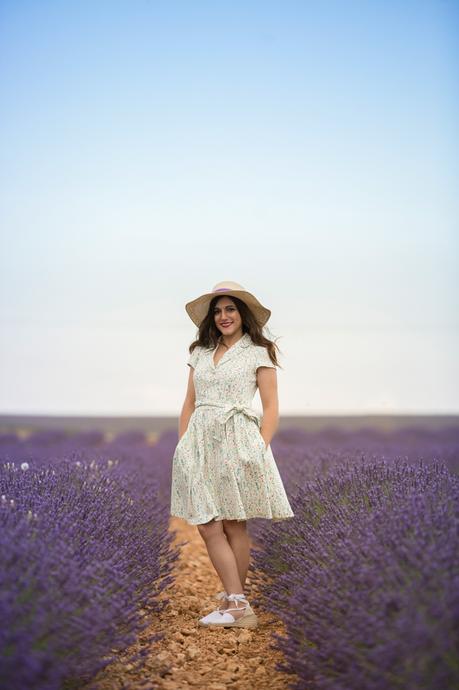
(188, 405)
(267, 385)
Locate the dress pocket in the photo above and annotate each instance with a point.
(183, 437)
(262, 441)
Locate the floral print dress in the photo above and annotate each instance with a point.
(221, 467)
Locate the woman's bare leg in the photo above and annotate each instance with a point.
(224, 561)
(236, 533)
(221, 555)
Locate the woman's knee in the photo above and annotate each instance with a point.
(210, 529)
(234, 527)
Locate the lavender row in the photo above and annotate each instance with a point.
(304, 455)
(86, 552)
(366, 575)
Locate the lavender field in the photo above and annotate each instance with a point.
(365, 576)
(85, 552)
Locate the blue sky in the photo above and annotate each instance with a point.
(308, 151)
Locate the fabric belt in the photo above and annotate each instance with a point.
(228, 411)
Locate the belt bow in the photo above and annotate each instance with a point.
(229, 411)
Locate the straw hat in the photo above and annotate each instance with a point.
(198, 308)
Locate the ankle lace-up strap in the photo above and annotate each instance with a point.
(221, 595)
(236, 598)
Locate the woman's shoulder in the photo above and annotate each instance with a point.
(257, 348)
(261, 356)
(194, 355)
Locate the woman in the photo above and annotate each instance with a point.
(223, 469)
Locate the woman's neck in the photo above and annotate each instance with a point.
(230, 342)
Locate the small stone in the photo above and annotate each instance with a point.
(226, 677)
(174, 647)
(163, 657)
(194, 604)
(194, 679)
(255, 661)
(191, 653)
(163, 671)
(188, 631)
(204, 669)
(244, 637)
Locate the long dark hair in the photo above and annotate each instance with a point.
(208, 332)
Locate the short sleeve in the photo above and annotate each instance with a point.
(262, 358)
(193, 358)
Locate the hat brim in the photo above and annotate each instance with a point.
(198, 308)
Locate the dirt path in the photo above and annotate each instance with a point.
(192, 656)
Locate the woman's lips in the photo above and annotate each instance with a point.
(225, 325)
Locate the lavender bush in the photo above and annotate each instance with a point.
(85, 553)
(366, 577)
(302, 456)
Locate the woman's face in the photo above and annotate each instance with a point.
(227, 317)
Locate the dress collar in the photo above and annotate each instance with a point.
(244, 341)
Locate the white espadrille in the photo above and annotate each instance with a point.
(226, 620)
(210, 616)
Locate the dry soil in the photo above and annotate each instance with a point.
(190, 656)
